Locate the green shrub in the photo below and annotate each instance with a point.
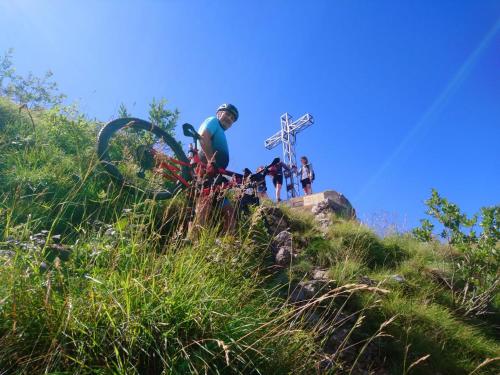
(480, 261)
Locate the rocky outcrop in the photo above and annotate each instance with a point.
(323, 205)
(283, 253)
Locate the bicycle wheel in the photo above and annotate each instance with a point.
(142, 156)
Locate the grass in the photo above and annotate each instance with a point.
(133, 297)
(427, 322)
(126, 307)
(130, 301)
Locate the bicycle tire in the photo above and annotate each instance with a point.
(103, 144)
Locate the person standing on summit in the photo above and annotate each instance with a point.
(306, 173)
(276, 172)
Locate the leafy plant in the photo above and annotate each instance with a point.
(159, 115)
(31, 90)
(424, 233)
(162, 117)
(6, 69)
(478, 266)
(123, 111)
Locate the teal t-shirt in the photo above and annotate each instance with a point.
(219, 141)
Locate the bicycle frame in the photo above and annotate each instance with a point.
(169, 168)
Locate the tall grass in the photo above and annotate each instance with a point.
(124, 303)
(426, 322)
(96, 279)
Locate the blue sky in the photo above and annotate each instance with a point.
(405, 94)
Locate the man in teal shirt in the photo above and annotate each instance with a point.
(213, 143)
(213, 149)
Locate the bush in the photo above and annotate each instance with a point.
(478, 266)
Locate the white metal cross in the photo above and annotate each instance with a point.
(287, 136)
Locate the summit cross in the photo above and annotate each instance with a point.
(288, 137)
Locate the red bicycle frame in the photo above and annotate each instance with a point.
(169, 168)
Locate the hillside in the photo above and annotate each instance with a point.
(95, 279)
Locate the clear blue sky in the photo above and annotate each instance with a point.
(405, 94)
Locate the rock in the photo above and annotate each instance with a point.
(283, 238)
(318, 274)
(326, 203)
(39, 241)
(398, 278)
(40, 238)
(56, 238)
(283, 250)
(283, 256)
(324, 209)
(312, 318)
(43, 267)
(7, 253)
(367, 281)
(306, 290)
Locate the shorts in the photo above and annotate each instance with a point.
(305, 182)
(278, 179)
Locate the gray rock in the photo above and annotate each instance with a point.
(367, 281)
(336, 338)
(283, 256)
(282, 248)
(398, 278)
(333, 203)
(43, 267)
(318, 274)
(283, 238)
(306, 290)
(110, 232)
(56, 238)
(7, 253)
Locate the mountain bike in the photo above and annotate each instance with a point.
(141, 156)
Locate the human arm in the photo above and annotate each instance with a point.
(206, 144)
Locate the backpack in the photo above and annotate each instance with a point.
(311, 172)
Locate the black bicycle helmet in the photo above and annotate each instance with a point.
(230, 108)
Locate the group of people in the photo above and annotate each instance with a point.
(277, 171)
(214, 150)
